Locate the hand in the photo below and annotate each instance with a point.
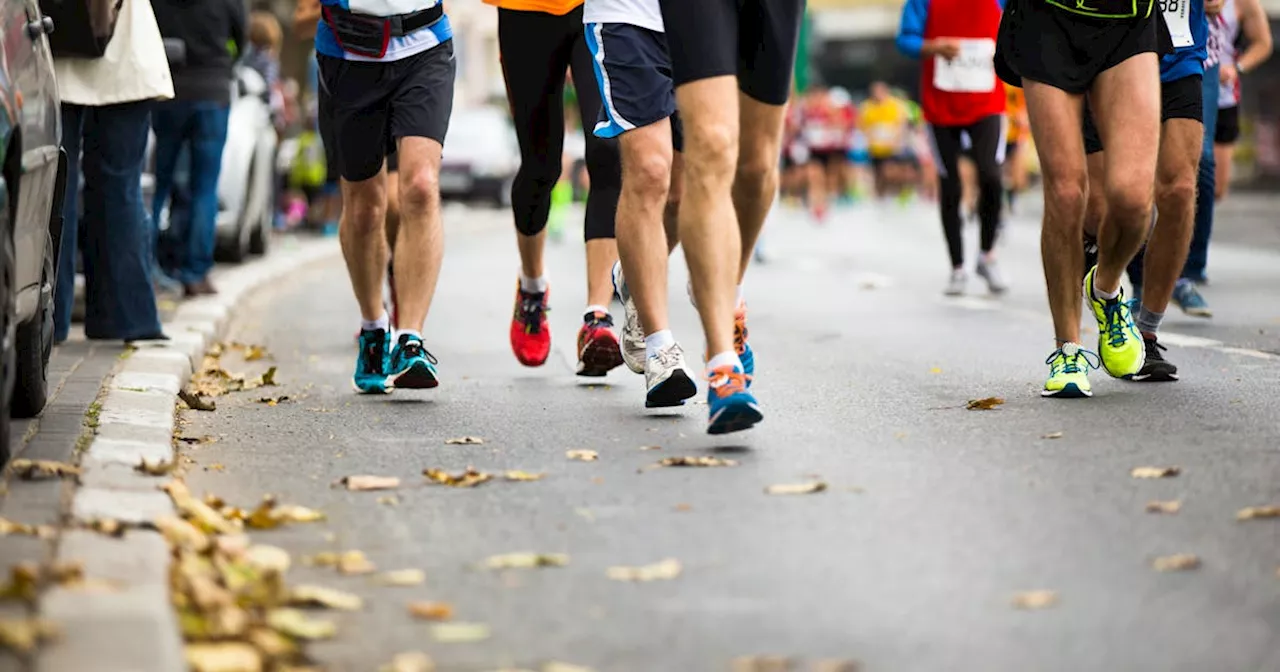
(945, 47)
(1214, 7)
(1227, 74)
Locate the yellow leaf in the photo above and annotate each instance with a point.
(650, 447)
(1176, 563)
(253, 353)
(38, 470)
(1258, 512)
(160, 468)
(1052, 435)
(935, 370)
(223, 657)
(796, 489)
(1035, 599)
(836, 666)
(696, 461)
(354, 562)
(409, 662)
(24, 583)
(464, 441)
(684, 508)
(326, 598)
(526, 560)
(297, 624)
(273, 401)
(389, 500)
(8, 527)
(195, 402)
(107, 526)
(272, 644)
(268, 558)
(298, 514)
(467, 479)
(763, 664)
(459, 633)
(517, 475)
(564, 667)
(1171, 507)
(987, 404)
(199, 513)
(431, 611)
(402, 577)
(583, 455)
(23, 635)
(325, 559)
(360, 483)
(665, 570)
(1155, 472)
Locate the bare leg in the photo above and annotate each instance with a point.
(602, 253)
(755, 183)
(361, 232)
(1222, 167)
(1096, 210)
(419, 247)
(642, 240)
(1176, 174)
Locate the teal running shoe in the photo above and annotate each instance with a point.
(372, 362)
(412, 367)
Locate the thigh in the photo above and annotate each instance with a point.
(1056, 120)
(703, 38)
(946, 149)
(422, 102)
(988, 138)
(534, 61)
(1227, 130)
(355, 100)
(1126, 107)
(768, 34)
(1181, 140)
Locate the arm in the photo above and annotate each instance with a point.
(910, 39)
(1257, 31)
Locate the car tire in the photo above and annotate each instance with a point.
(33, 345)
(501, 198)
(8, 318)
(232, 249)
(260, 239)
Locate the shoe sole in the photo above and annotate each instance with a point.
(372, 392)
(1198, 312)
(671, 392)
(1155, 377)
(417, 377)
(1071, 391)
(599, 358)
(735, 419)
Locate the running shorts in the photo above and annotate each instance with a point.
(1066, 50)
(752, 39)
(1228, 128)
(1179, 99)
(829, 158)
(369, 106)
(633, 70)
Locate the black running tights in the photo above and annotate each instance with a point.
(987, 138)
(537, 48)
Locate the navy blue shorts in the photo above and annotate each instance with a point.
(633, 70)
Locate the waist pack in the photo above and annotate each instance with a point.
(1106, 9)
(368, 36)
(82, 28)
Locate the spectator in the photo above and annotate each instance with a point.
(263, 55)
(196, 119)
(106, 110)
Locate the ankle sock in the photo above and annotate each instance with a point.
(411, 333)
(597, 309)
(727, 358)
(1104, 296)
(533, 285)
(1148, 321)
(383, 323)
(657, 341)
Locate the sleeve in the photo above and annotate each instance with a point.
(911, 29)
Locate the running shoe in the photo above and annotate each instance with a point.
(412, 367)
(373, 361)
(732, 407)
(989, 271)
(1157, 369)
(598, 351)
(667, 378)
(1119, 343)
(1068, 372)
(956, 285)
(740, 344)
(530, 333)
(1190, 301)
(633, 350)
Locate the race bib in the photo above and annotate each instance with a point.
(1177, 17)
(972, 71)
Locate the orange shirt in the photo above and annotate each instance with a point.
(1016, 111)
(557, 7)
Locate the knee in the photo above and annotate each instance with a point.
(648, 176)
(364, 209)
(420, 190)
(538, 176)
(758, 173)
(711, 150)
(1068, 193)
(1177, 194)
(604, 165)
(1129, 200)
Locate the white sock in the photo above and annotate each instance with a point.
(598, 309)
(411, 333)
(1104, 296)
(657, 341)
(727, 358)
(533, 285)
(383, 323)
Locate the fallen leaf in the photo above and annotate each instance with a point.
(661, 571)
(935, 370)
(1172, 506)
(195, 402)
(695, 461)
(402, 577)
(650, 447)
(1035, 599)
(23, 635)
(1155, 472)
(272, 644)
(836, 666)
(517, 475)
(267, 379)
(297, 624)
(1258, 512)
(38, 470)
(459, 633)
(431, 611)
(389, 500)
(526, 560)
(216, 466)
(467, 479)
(586, 513)
(298, 514)
(987, 404)
(268, 558)
(23, 584)
(464, 441)
(683, 508)
(160, 468)
(200, 514)
(796, 489)
(325, 598)
(1176, 563)
(360, 483)
(354, 562)
(253, 353)
(107, 526)
(583, 455)
(762, 664)
(325, 559)
(273, 401)
(223, 657)
(409, 662)
(1052, 435)
(554, 666)
(8, 527)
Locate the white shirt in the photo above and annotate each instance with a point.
(134, 68)
(642, 13)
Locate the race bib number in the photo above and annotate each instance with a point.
(972, 71)
(1177, 17)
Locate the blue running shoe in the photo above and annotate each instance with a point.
(372, 361)
(1189, 300)
(412, 367)
(733, 408)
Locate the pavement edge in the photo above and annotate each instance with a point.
(134, 629)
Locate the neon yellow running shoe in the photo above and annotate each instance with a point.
(1119, 343)
(1068, 372)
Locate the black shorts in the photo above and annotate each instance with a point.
(633, 71)
(1065, 50)
(1228, 129)
(1179, 99)
(371, 105)
(753, 39)
(829, 158)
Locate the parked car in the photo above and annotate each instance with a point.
(481, 157)
(34, 177)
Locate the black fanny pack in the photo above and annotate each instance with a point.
(368, 36)
(1106, 9)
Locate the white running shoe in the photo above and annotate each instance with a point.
(955, 286)
(990, 272)
(632, 344)
(667, 378)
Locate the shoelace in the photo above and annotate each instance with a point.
(668, 357)
(414, 349)
(1071, 364)
(1116, 313)
(740, 333)
(1154, 348)
(595, 320)
(532, 308)
(727, 382)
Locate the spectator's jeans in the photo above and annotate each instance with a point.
(1198, 258)
(114, 230)
(201, 127)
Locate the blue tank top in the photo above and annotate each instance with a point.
(1190, 30)
(399, 47)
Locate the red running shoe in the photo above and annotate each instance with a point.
(598, 351)
(530, 333)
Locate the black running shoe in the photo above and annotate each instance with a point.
(1157, 369)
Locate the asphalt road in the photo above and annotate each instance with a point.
(935, 515)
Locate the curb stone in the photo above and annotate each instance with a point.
(134, 629)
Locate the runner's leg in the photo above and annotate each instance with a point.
(605, 171)
(1175, 198)
(647, 159)
(946, 141)
(755, 182)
